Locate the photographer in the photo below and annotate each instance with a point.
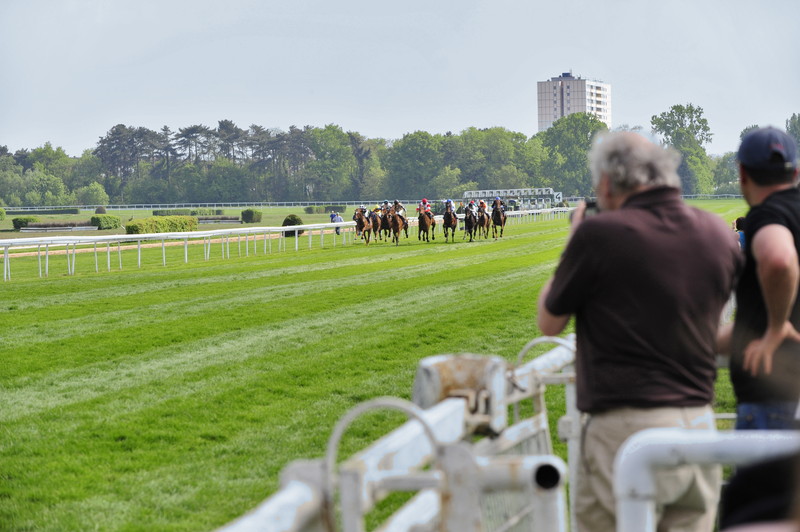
(646, 278)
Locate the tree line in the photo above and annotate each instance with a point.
(200, 164)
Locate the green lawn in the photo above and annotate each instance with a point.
(170, 398)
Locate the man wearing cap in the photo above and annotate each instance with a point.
(763, 341)
(646, 279)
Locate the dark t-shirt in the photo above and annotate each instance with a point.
(783, 384)
(647, 284)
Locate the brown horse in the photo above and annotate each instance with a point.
(498, 218)
(470, 224)
(449, 222)
(483, 223)
(427, 227)
(396, 224)
(363, 225)
(384, 229)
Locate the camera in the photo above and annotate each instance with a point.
(590, 210)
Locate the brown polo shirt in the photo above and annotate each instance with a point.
(647, 284)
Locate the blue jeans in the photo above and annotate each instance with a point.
(766, 416)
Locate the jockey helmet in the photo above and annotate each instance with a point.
(497, 197)
(424, 200)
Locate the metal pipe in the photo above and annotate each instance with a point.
(636, 463)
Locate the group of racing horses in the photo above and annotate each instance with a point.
(390, 224)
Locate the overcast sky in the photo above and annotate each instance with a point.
(72, 69)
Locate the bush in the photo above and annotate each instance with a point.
(161, 224)
(100, 210)
(250, 216)
(23, 221)
(106, 221)
(188, 212)
(45, 211)
(293, 219)
(2, 214)
(60, 224)
(322, 209)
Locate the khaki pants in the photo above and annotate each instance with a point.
(687, 495)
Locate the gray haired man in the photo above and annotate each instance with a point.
(646, 279)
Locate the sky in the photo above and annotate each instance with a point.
(70, 70)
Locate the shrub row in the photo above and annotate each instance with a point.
(322, 209)
(45, 211)
(23, 221)
(161, 224)
(188, 212)
(106, 221)
(210, 218)
(2, 214)
(84, 223)
(250, 216)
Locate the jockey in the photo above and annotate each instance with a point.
(472, 207)
(385, 206)
(451, 205)
(501, 202)
(425, 207)
(482, 206)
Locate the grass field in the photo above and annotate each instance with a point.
(169, 398)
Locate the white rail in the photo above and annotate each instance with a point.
(264, 236)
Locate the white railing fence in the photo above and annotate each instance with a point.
(268, 239)
(508, 480)
(478, 463)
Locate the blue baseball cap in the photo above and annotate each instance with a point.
(768, 148)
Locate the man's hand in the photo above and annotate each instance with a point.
(577, 216)
(759, 352)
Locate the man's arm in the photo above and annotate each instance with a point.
(778, 274)
(550, 324)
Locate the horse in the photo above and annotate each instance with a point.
(483, 223)
(396, 224)
(363, 225)
(449, 222)
(498, 219)
(384, 229)
(402, 213)
(427, 227)
(470, 224)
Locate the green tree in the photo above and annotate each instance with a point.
(92, 194)
(87, 169)
(684, 128)
(447, 184)
(12, 184)
(682, 120)
(53, 161)
(411, 163)
(726, 170)
(747, 130)
(793, 127)
(568, 142)
(329, 173)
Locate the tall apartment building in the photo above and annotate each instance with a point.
(567, 94)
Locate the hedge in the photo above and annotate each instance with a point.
(250, 216)
(23, 221)
(106, 221)
(84, 223)
(161, 224)
(293, 219)
(45, 211)
(2, 214)
(188, 212)
(322, 209)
